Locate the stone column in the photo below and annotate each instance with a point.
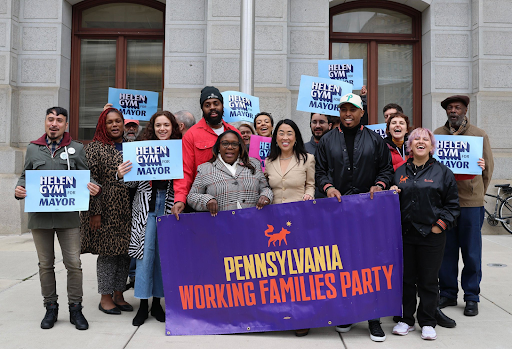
(446, 56)
(34, 75)
(491, 24)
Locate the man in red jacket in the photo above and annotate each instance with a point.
(198, 143)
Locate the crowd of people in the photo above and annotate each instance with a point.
(441, 212)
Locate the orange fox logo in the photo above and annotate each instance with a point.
(281, 236)
(403, 179)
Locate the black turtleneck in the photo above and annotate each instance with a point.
(350, 137)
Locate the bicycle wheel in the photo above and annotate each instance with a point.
(505, 213)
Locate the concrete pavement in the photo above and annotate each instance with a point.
(21, 312)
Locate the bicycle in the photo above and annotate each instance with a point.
(503, 214)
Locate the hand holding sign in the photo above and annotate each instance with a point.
(124, 168)
(20, 192)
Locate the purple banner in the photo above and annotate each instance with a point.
(288, 266)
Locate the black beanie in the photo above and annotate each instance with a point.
(210, 92)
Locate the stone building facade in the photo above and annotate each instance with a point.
(466, 48)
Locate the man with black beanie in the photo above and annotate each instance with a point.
(198, 143)
(353, 159)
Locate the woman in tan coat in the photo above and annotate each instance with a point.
(290, 170)
(105, 228)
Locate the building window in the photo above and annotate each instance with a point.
(114, 44)
(387, 36)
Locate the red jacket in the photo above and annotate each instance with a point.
(396, 155)
(197, 149)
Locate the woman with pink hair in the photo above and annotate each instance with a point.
(429, 204)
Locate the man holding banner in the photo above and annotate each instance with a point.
(55, 150)
(198, 143)
(353, 159)
(467, 234)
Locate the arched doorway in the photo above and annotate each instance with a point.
(387, 36)
(116, 43)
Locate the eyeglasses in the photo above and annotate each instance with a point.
(233, 145)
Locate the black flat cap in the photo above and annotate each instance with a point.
(456, 98)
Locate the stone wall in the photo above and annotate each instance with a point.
(466, 48)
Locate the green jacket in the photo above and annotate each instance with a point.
(39, 157)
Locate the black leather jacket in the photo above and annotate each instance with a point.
(372, 162)
(428, 197)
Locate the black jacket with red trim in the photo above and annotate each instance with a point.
(372, 162)
(428, 197)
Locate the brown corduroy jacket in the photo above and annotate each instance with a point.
(472, 191)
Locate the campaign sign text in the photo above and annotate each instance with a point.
(460, 153)
(321, 95)
(379, 128)
(277, 269)
(239, 106)
(153, 160)
(134, 104)
(348, 70)
(57, 190)
(260, 149)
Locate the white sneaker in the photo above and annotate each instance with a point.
(428, 332)
(402, 328)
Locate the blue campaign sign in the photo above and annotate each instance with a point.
(57, 190)
(239, 106)
(348, 70)
(378, 128)
(134, 104)
(460, 153)
(321, 95)
(154, 160)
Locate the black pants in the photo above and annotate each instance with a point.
(423, 256)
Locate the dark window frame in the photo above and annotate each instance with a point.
(373, 40)
(121, 36)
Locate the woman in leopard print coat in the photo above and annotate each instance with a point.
(105, 228)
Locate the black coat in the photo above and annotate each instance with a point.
(372, 162)
(428, 197)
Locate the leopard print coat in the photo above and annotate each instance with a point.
(113, 204)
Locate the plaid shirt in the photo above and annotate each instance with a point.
(53, 146)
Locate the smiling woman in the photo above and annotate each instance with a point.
(230, 180)
(105, 228)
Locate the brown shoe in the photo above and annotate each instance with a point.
(302, 333)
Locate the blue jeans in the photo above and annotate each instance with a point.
(467, 236)
(148, 273)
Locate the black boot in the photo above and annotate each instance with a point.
(50, 318)
(443, 320)
(76, 317)
(156, 310)
(142, 313)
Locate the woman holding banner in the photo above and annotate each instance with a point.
(105, 228)
(429, 203)
(397, 128)
(290, 170)
(152, 199)
(264, 124)
(230, 180)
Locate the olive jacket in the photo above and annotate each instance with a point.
(39, 157)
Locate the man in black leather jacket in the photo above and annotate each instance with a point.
(353, 159)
